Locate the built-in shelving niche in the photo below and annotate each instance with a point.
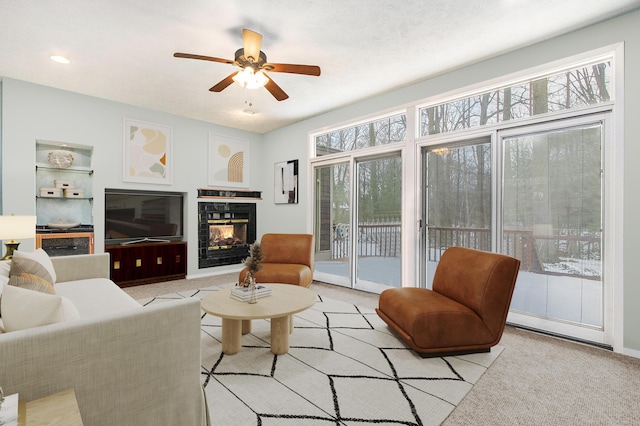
(72, 171)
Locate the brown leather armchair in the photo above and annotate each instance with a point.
(465, 312)
(288, 259)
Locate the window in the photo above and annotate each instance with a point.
(531, 188)
(366, 135)
(577, 87)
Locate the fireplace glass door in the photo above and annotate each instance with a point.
(225, 234)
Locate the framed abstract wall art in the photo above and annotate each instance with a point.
(147, 152)
(286, 182)
(228, 161)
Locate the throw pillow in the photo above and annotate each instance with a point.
(22, 309)
(35, 263)
(1, 288)
(5, 268)
(32, 282)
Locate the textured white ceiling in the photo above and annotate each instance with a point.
(122, 50)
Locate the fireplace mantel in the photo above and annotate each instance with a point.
(229, 193)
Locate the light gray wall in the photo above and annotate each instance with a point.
(33, 112)
(291, 142)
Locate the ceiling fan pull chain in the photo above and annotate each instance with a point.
(248, 103)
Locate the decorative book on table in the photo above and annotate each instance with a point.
(243, 294)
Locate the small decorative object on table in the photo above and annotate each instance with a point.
(244, 294)
(252, 263)
(8, 409)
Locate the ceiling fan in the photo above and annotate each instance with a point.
(254, 65)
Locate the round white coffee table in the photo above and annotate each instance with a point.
(284, 301)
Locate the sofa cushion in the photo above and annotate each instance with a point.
(32, 282)
(284, 273)
(36, 263)
(288, 249)
(22, 308)
(5, 268)
(96, 296)
(446, 324)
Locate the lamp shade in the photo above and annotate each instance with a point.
(17, 227)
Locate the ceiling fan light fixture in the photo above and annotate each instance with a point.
(250, 79)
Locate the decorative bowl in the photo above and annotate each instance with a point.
(60, 159)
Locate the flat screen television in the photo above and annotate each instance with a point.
(133, 216)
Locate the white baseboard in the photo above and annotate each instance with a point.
(631, 352)
(214, 273)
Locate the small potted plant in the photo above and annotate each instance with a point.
(252, 263)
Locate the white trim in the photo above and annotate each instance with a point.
(410, 231)
(311, 189)
(214, 273)
(528, 74)
(557, 327)
(617, 201)
(631, 352)
(358, 153)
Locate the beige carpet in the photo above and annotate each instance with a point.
(537, 380)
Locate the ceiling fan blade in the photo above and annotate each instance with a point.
(252, 43)
(275, 90)
(294, 69)
(226, 82)
(202, 58)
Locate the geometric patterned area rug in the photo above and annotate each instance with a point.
(344, 367)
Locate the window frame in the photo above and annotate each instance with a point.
(414, 143)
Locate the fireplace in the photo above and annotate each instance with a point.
(224, 234)
(225, 231)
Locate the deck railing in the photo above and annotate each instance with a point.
(535, 252)
(374, 240)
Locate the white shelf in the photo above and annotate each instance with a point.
(65, 209)
(49, 168)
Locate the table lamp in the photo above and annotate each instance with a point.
(16, 227)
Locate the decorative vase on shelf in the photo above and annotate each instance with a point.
(60, 159)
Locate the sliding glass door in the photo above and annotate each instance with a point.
(332, 227)
(379, 201)
(457, 196)
(357, 223)
(553, 221)
(536, 193)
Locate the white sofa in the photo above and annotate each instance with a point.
(128, 364)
